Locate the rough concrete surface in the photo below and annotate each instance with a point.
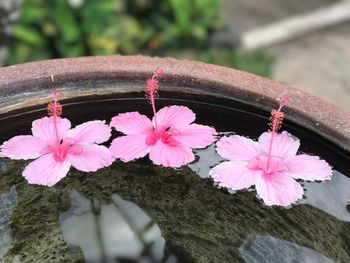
(318, 63)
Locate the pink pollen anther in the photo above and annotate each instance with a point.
(283, 101)
(161, 135)
(158, 73)
(55, 109)
(275, 123)
(151, 90)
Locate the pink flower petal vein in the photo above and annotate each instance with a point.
(271, 164)
(56, 147)
(168, 138)
(170, 143)
(275, 183)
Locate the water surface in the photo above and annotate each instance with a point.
(138, 212)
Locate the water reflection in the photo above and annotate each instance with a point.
(331, 197)
(8, 202)
(268, 249)
(117, 231)
(207, 159)
(3, 167)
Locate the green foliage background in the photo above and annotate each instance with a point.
(69, 28)
(58, 28)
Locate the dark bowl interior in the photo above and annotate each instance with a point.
(125, 212)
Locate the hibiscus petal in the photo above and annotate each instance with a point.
(130, 147)
(234, 175)
(195, 135)
(46, 170)
(44, 128)
(171, 155)
(91, 158)
(23, 147)
(284, 144)
(173, 116)
(237, 148)
(131, 123)
(308, 167)
(278, 189)
(90, 132)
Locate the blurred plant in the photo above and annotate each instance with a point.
(257, 62)
(68, 28)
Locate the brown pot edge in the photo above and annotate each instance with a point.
(305, 109)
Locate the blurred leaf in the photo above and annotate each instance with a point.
(49, 29)
(58, 28)
(257, 62)
(28, 35)
(103, 45)
(21, 52)
(182, 10)
(130, 27)
(72, 50)
(31, 14)
(66, 24)
(199, 32)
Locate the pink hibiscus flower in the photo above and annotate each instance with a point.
(57, 147)
(271, 164)
(168, 138)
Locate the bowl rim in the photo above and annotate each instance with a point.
(303, 108)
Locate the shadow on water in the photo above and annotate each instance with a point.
(138, 212)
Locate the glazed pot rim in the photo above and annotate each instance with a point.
(303, 108)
